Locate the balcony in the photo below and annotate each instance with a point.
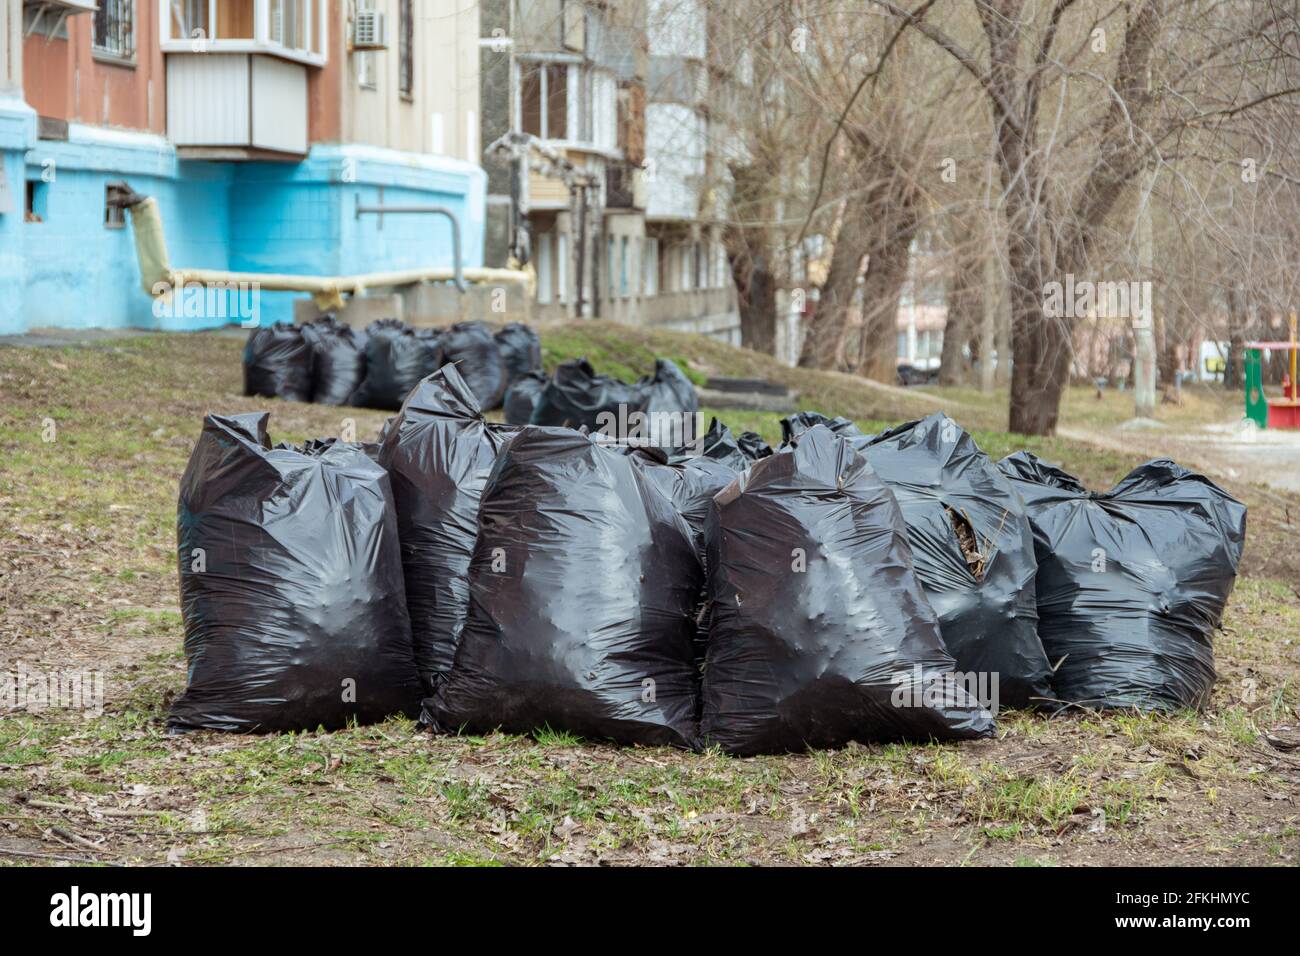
(237, 75)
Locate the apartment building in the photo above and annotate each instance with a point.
(259, 125)
(597, 146)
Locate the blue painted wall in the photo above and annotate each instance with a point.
(73, 271)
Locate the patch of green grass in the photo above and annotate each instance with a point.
(548, 737)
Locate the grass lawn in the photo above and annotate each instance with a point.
(88, 581)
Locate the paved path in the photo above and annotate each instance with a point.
(1240, 452)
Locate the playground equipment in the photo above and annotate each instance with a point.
(1267, 412)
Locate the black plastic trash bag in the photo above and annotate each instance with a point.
(278, 363)
(690, 484)
(522, 398)
(1132, 582)
(581, 592)
(521, 351)
(973, 549)
(477, 357)
(752, 446)
(577, 397)
(739, 453)
(670, 406)
(291, 586)
(338, 360)
(821, 634)
(438, 454)
(318, 446)
(397, 357)
(799, 423)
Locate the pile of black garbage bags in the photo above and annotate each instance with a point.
(331, 363)
(844, 587)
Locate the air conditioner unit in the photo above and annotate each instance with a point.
(369, 31)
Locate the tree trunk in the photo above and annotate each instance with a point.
(988, 328)
(823, 346)
(1002, 332)
(756, 302)
(882, 289)
(964, 299)
(1039, 344)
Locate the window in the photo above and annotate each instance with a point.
(604, 122)
(190, 19)
(114, 216)
(405, 49)
(650, 267)
(562, 268)
(622, 268)
(544, 99)
(292, 29)
(111, 31)
(543, 266)
(37, 194)
(609, 269)
(289, 23)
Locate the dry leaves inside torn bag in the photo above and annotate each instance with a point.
(974, 551)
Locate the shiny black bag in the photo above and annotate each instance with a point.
(1131, 582)
(973, 549)
(521, 351)
(278, 363)
(820, 632)
(397, 358)
(582, 587)
(438, 452)
(477, 357)
(338, 360)
(291, 586)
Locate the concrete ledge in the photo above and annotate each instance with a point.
(359, 312)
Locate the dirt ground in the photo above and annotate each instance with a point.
(88, 582)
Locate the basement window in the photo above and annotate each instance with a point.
(37, 200)
(114, 216)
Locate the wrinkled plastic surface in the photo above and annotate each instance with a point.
(338, 360)
(397, 357)
(669, 403)
(987, 610)
(522, 397)
(477, 357)
(438, 454)
(581, 591)
(797, 424)
(278, 363)
(1132, 582)
(521, 351)
(291, 586)
(690, 484)
(576, 397)
(739, 453)
(821, 656)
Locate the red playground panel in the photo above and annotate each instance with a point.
(1283, 413)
